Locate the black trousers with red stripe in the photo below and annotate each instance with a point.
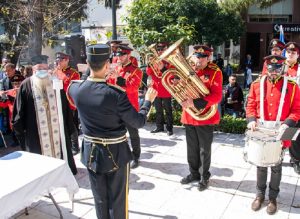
(110, 192)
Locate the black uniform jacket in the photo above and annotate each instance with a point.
(103, 110)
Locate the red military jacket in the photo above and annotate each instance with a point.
(157, 83)
(133, 76)
(292, 70)
(69, 74)
(211, 76)
(291, 108)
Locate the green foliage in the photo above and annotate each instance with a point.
(197, 21)
(230, 124)
(235, 67)
(240, 6)
(32, 22)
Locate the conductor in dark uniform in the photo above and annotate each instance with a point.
(105, 151)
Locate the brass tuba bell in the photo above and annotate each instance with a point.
(189, 84)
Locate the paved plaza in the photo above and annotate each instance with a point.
(155, 190)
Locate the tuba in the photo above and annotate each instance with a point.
(189, 85)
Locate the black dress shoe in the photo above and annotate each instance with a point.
(157, 130)
(189, 178)
(134, 163)
(203, 184)
(170, 133)
(296, 166)
(75, 151)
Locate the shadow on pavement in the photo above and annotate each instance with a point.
(136, 184)
(150, 142)
(167, 168)
(153, 215)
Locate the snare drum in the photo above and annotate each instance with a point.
(262, 149)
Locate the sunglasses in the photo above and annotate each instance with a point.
(199, 55)
(275, 69)
(121, 53)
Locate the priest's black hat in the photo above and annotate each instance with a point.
(98, 52)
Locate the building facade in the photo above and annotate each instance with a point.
(262, 25)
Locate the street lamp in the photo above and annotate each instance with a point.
(114, 23)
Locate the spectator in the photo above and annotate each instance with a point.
(248, 71)
(28, 71)
(22, 69)
(234, 98)
(220, 64)
(228, 70)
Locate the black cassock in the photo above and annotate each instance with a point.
(25, 125)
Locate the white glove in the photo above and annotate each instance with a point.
(252, 125)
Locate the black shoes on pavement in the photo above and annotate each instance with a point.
(189, 178)
(169, 133)
(75, 151)
(156, 130)
(203, 184)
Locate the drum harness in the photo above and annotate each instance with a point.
(276, 123)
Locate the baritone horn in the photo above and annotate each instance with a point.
(189, 84)
(152, 60)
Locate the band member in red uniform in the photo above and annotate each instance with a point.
(129, 77)
(274, 85)
(67, 74)
(163, 98)
(199, 134)
(293, 72)
(114, 47)
(276, 47)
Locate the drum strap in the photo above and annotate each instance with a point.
(262, 93)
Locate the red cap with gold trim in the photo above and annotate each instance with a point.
(276, 43)
(293, 46)
(274, 62)
(123, 50)
(202, 51)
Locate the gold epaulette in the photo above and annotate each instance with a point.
(74, 70)
(257, 80)
(213, 66)
(292, 82)
(116, 86)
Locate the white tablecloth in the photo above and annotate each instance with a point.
(25, 176)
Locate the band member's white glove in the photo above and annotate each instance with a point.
(252, 125)
(282, 128)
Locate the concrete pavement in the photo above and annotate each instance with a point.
(155, 191)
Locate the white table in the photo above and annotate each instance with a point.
(27, 176)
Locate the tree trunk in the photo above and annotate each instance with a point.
(36, 28)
